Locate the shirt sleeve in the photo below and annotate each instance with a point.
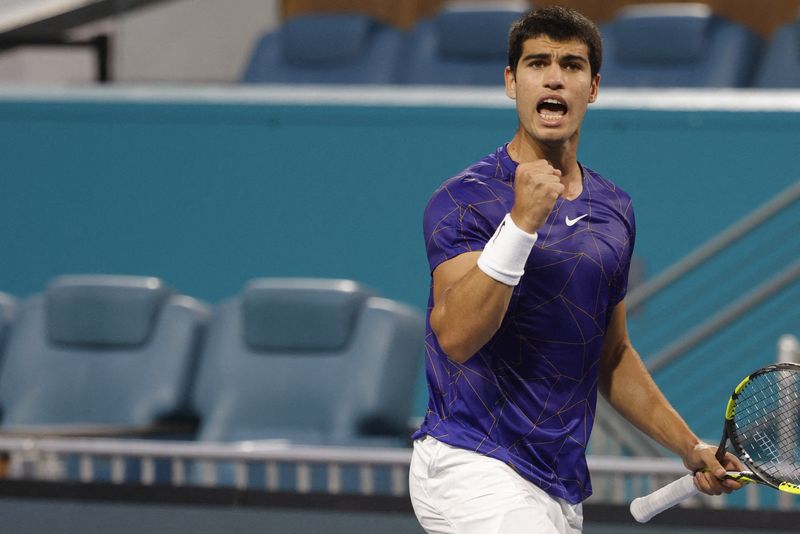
(620, 282)
(453, 224)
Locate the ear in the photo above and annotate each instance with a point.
(594, 89)
(511, 84)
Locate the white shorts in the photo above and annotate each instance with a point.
(456, 491)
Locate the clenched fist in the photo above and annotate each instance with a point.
(537, 186)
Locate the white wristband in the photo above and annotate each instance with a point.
(504, 256)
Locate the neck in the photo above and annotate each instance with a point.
(563, 156)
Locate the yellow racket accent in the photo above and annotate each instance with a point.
(730, 411)
(741, 385)
(788, 487)
(740, 477)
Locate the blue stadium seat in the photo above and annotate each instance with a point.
(780, 63)
(462, 45)
(313, 361)
(336, 48)
(100, 353)
(676, 45)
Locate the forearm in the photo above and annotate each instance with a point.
(629, 388)
(467, 314)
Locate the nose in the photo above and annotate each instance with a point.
(553, 78)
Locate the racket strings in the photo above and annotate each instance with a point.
(767, 424)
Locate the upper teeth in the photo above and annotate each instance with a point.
(552, 101)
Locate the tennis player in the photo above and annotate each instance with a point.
(529, 252)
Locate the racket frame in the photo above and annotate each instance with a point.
(730, 434)
(644, 508)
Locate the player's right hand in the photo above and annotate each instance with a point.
(537, 186)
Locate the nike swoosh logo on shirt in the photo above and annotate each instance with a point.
(571, 222)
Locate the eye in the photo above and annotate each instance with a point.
(537, 63)
(573, 66)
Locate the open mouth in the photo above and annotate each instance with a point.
(551, 108)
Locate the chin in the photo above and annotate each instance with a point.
(552, 138)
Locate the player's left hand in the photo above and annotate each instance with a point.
(709, 475)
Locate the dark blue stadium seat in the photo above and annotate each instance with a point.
(462, 45)
(100, 350)
(676, 45)
(326, 48)
(309, 360)
(780, 63)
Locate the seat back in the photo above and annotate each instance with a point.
(100, 350)
(676, 45)
(780, 63)
(310, 360)
(343, 48)
(463, 45)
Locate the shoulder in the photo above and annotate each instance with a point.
(608, 191)
(481, 183)
(602, 183)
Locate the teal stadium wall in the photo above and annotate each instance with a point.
(210, 194)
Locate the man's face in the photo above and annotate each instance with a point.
(553, 86)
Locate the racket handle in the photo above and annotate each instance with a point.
(644, 508)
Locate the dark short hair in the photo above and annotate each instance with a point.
(557, 23)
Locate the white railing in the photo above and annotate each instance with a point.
(47, 459)
(616, 480)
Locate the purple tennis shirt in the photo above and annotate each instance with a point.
(528, 396)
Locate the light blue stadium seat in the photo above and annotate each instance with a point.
(337, 48)
(462, 45)
(99, 351)
(312, 361)
(676, 45)
(780, 63)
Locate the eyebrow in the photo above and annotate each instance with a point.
(565, 58)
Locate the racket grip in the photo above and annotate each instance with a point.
(644, 508)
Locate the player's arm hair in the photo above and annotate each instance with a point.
(628, 386)
(468, 308)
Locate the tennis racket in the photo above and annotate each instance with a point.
(762, 424)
